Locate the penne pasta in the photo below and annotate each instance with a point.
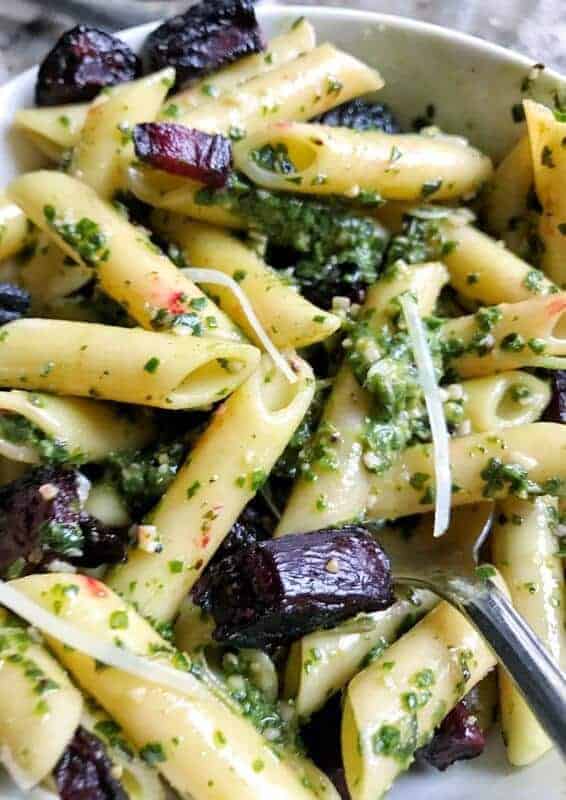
(14, 229)
(323, 663)
(318, 159)
(39, 707)
(127, 265)
(282, 49)
(393, 706)
(49, 275)
(54, 130)
(87, 360)
(288, 318)
(251, 430)
(530, 452)
(34, 425)
(308, 85)
(337, 486)
(546, 136)
(104, 149)
(504, 400)
(524, 550)
(506, 337)
(169, 726)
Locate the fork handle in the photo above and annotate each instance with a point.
(526, 659)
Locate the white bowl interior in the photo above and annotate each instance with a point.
(472, 86)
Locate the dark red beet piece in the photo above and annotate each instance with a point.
(207, 36)
(361, 116)
(276, 591)
(82, 62)
(183, 151)
(14, 302)
(84, 771)
(556, 411)
(41, 520)
(458, 738)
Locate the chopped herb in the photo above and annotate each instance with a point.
(430, 187)
(153, 753)
(193, 489)
(546, 157)
(152, 365)
(119, 620)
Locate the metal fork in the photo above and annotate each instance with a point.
(448, 567)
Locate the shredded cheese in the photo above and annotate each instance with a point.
(435, 409)
(215, 277)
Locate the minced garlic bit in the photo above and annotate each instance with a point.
(48, 491)
(60, 566)
(332, 566)
(371, 460)
(147, 538)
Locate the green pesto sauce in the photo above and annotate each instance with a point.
(336, 243)
(422, 239)
(502, 479)
(19, 430)
(84, 236)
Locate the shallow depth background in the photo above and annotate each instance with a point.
(534, 27)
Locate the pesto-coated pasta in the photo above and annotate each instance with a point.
(49, 274)
(31, 423)
(337, 161)
(524, 551)
(53, 130)
(251, 430)
(504, 400)
(86, 360)
(128, 266)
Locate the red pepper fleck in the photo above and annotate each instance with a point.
(95, 587)
(205, 541)
(556, 305)
(175, 303)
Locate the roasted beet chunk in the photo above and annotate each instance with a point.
(275, 591)
(361, 116)
(84, 771)
(84, 61)
(183, 151)
(41, 519)
(458, 738)
(14, 302)
(207, 36)
(556, 411)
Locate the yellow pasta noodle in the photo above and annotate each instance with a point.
(288, 318)
(435, 663)
(539, 449)
(250, 430)
(87, 429)
(333, 160)
(14, 228)
(546, 136)
(52, 130)
(508, 336)
(308, 85)
(105, 147)
(128, 266)
(87, 360)
(524, 550)
(341, 486)
(505, 400)
(234, 760)
(39, 707)
(49, 275)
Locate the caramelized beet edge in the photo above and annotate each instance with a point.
(458, 738)
(84, 771)
(276, 591)
(184, 151)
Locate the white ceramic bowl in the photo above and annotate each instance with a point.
(472, 85)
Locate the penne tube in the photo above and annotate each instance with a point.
(310, 84)
(14, 229)
(39, 707)
(506, 337)
(320, 159)
(288, 318)
(505, 209)
(107, 504)
(170, 726)
(36, 427)
(53, 130)
(337, 486)
(531, 452)
(198, 510)
(139, 780)
(505, 400)
(546, 135)
(104, 148)
(393, 706)
(49, 275)
(524, 548)
(128, 267)
(482, 269)
(193, 628)
(87, 360)
(323, 663)
(280, 50)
